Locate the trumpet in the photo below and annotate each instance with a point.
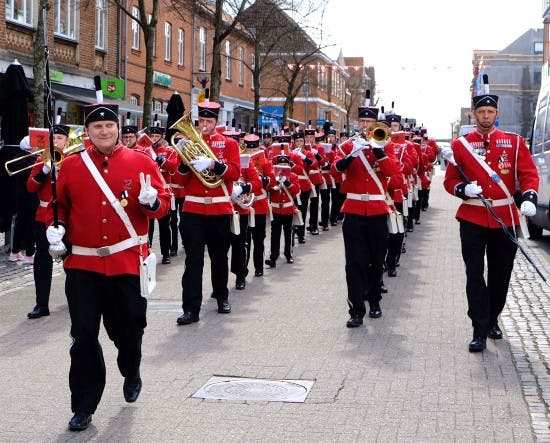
(59, 156)
(377, 136)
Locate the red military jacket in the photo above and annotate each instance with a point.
(500, 155)
(250, 176)
(280, 201)
(300, 171)
(177, 184)
(265, 170)
(40, 183)
(226, 151)
(363, 196)
(314, 170)
(90, 220)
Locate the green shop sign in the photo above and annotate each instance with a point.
(162, 79)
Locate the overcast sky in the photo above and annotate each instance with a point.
(422, 50)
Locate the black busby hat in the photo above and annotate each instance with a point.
(298, 135)
(208, 109)
(129, 129)
(368, 111)
(282, 159)
(100, 112)
(61, 129)
(393, 118)
(251, 141)
(485, 99)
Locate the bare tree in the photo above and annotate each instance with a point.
(148, 26)
(39, 67)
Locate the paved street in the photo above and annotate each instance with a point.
(405, 377)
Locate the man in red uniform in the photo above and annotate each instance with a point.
(315, 153)
(103, 260)
(129, 136)
(367, 168)
(39, 183)
(300, 160)
(206, 216)
(489, 162)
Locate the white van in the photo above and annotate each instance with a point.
(540, 148)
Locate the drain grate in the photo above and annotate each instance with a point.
(254, 389)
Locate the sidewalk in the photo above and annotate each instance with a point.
(405, 377)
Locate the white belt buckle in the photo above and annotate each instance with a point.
(207, 200)
(104, 251)
(365, 197)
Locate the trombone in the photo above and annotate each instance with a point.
(59, 156)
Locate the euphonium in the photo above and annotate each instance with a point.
(194, 148)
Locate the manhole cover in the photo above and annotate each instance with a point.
(253, 389)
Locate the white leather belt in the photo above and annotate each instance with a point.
(175, 185)
(494, 203)
(43, 204)
(260, 197)
(315, 171)
(365, 197)
(207, 200)
(104, 251)
(282, 205)
(303, 177)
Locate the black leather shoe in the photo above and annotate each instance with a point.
(354, 321)
(131, 388)
(187, 318)
(290, 259)
(410, 230)
(258, 272)
(383, 289)
(166, 260)
(240, 284)
(271, 263)
(477, 344)
(38, 311)
(301, 240)
(224, 307)
(495, 333)
(417, 222)
(314, 231)
(326, 228)
(375, 311)
(392, 273)
(333, 223)
(173, 252)
(403, 249)
(80, 421)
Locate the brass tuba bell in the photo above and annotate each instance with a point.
(194, 148)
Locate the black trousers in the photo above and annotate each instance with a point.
(117, 299)
(255, 240)
(337, 200)
(395, 242)
(302, 207)
(174, 231)
(165, 237)
(423, 196)
(281, 222)
(199, 231)
(43, 266)
(365, 243)
(486, 299)
(314, 209)
(325, 206)
(239, 249)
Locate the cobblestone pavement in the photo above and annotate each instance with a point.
(406, 377)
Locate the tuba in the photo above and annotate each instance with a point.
(195, 146)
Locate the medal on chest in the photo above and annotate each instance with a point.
(504, 163)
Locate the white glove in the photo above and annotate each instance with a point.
(46, 169)
(528, 208)
(57, 250)
(201, 163)
(299, 153)
(147, 194)
(182, 143)
(358, 145)
(472, 189)
(315, 151)
(237, 190)
(55, 235)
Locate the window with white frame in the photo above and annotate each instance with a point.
(202, 48)
(134, 99)
(181, 46)
(19, 11)
(227, 60)
(135, 29)
(157, 106)
(65, 18)
(241, 65)
(100, 24)
(167, 41)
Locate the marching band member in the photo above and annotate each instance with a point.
(364, 228)
(256, 231)
(300, 160)
(206, 215)
(103, 260)
(248, 184)
(282, 194)
(489, 163)
(328, 184)
(316, 154)
(39, 182)
(129, 133)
